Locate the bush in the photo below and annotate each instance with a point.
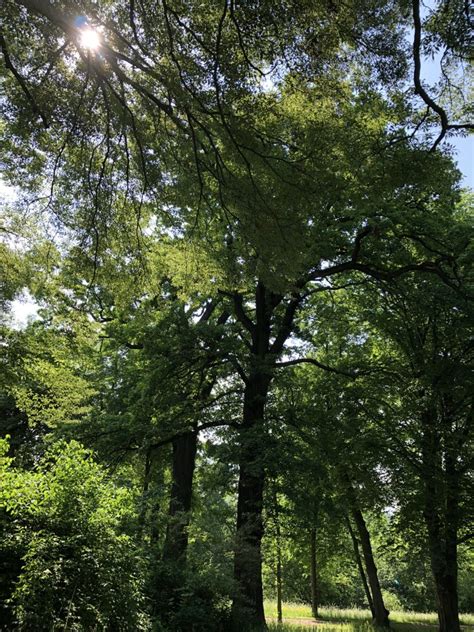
(79, 568)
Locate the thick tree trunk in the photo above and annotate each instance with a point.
(441, 518)
(314, 574)
(247, 607)
(184, 459)
(360, 567)
(447, 601)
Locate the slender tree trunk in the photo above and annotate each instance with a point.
(146, 486)
(380, 611)
(184, 460)
(247, 607)
(279, 577)
(314, 574)
(279, 584)
(158, 484)
(360, 566)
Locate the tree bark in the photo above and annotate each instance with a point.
(146, 486)
(247, 606)
(184, 460)
(279, 583)
(314, 574)
(380, 611)
(361, 567)
(441, 499)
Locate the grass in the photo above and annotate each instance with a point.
(331, 627)
(297, 618)
(322, 627)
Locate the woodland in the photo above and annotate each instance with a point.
(248, 380)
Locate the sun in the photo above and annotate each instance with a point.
(90, 39)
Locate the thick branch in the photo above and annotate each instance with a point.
(286, 325)
(350, 374)
(419, 89)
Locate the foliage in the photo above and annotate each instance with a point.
(80, 566)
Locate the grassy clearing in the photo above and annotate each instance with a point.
(321, 627)
(297, 618)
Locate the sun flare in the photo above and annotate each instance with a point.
(90, 39)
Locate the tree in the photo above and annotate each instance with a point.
(436, 415)
(282, 192)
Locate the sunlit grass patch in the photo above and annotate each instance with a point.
(303, 611)
(290, 610)
(352, 614)
(322, 627)
(332, 619)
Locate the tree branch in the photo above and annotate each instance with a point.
(177, 435)
(22, 83)
(419, 89)
(352, 375)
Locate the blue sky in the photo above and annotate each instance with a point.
(464, 154)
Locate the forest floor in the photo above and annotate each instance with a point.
(297, 618)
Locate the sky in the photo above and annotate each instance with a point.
(464, 155)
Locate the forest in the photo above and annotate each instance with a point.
(243, 398)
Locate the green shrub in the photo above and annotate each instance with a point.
(80, 569)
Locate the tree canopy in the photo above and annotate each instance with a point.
(251, 370)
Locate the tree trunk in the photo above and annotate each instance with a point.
(448, 588)
(380, 611)
(279, 579)
(247, 606)
(279, 585)
(447, 601)
(184, 459)
(441, 518)
(145, 489)
(360, 567)
(314, 574)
